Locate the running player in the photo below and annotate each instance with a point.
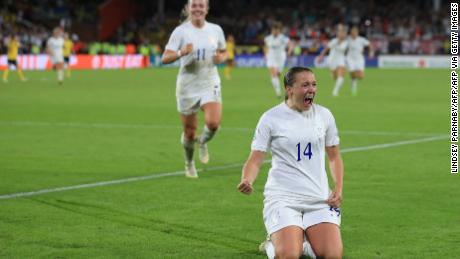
(199, 45)
(55, 46)
(336, 59)
(355, 58)
(276, 45)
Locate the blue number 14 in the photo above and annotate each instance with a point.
(306, 151)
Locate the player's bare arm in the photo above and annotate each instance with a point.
(336, 166)
(250, 171)
(170, 56)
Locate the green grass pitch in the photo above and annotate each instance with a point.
(399, 202)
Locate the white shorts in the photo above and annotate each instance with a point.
(190, 105)
(278, 215)
(57, 59)
(276, 62)
(335, 62)
(355, 64)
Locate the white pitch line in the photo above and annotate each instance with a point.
(216, 168)
(153, 126)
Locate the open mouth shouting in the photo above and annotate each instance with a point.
(308, 99)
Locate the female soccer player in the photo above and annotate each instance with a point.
(55, 48)
(199, 45)
(355, 58)
(276, 45)
(68, 49)
(13, 50)
(298, 204)
(336, 59)
(230, 56)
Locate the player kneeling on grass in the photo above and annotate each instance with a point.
(301, 214)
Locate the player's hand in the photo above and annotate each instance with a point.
(218, 57)
(187, 49)
(335, 200)
(320, 59)
(245, 187)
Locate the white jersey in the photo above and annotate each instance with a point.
(337, 50)
(197, 73)
(356, 47)
(276, 46)
(56, 45)
(297, 141)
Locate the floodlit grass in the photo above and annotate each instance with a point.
(399, 202)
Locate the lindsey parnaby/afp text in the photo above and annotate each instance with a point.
(454, 88)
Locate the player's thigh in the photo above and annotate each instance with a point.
(211, 104)
(288, 242)
(212, 114)
(340, 71)
(323, 231)
(325, 239)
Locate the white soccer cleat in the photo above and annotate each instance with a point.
(190, 170)
(204, 155)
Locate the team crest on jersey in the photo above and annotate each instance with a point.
(319, 131)
(213, 41)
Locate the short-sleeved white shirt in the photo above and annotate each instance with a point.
(356, 47)
(337, 50)
(276, 46)
(56, 45)
(197, 72)
(297, 141)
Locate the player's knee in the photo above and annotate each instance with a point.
(288, 252)
(189, 132)
(213, 125)
(330, 253)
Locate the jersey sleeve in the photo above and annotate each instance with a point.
(332, 134)
(332, 43)
(285, 41)
(221, 43)
(175, 40)
(262, 136)
(267, 41)
(365, 42)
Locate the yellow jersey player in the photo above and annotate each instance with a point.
(230, 56)
(68, 47)
(13, 49)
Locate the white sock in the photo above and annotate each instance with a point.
(270, 250)
(60, 75)
(276, 85)
(338, 84)
(206, 135)
(354, 85)
(307, 250)
(189, 147)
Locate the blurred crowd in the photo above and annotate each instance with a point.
(393, 27)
